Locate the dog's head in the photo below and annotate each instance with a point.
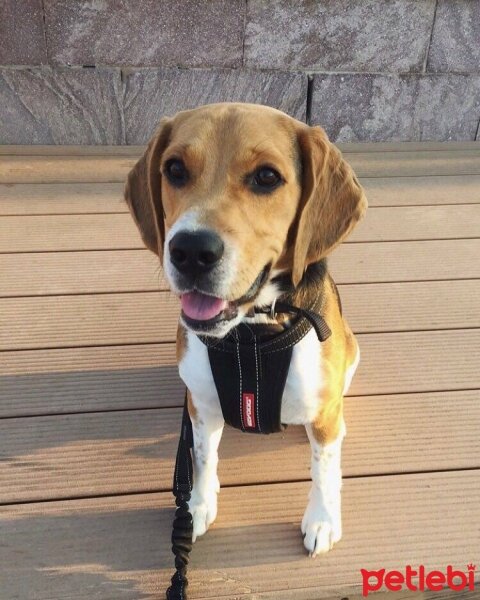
(231, 195)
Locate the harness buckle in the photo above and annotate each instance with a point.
(273, 314)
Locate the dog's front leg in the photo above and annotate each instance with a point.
(322, 521)
(207, 425)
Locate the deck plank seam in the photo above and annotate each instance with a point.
(143, 409)
(172, 340)
(165, 290)
(162, 490)
(127, 248)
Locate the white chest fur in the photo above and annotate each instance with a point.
(301, 398)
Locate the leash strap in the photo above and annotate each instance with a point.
(182, 524)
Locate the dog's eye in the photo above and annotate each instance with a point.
(176, 172)
(265, 180)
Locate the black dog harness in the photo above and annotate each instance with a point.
(250, 369)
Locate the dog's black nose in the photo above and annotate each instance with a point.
(195, 252)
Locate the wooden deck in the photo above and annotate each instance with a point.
(90, 397)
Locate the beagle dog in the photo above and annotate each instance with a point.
(242, 203)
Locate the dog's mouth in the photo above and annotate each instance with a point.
(203, 312)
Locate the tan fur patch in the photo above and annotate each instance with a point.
(192, 411)
(335, 359)
(182, 341)
(181, 348)
(351, 345)
(332, 200)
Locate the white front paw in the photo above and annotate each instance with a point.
(203, 509)
(321, 528)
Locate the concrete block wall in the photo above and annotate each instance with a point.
(106, 71)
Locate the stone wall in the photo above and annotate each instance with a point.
(105, 71)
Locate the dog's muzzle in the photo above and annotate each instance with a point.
(203, 313)
(197, 256)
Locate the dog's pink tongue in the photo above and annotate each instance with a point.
(201, 307)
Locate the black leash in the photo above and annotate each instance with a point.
(183, 476)
(182, 524)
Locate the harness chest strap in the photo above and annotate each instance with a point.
(250, 377)
(250, 384)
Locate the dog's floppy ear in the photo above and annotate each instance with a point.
(143, 192)
(332, 200)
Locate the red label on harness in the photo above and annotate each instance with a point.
(249, 410)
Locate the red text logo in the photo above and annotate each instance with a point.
(249, 410)
(418, 579)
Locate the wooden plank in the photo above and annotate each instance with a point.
(79, 272)
(50, 169)
(47, 233)
(36, 382)
(62, 151)
(61, 198)
(88, 320)
(77, 198)
(77, 550)
(405, 261)
(136, 150)
(431, 190)
(139, 270)
(400, 223)
(74, 380)
(134, 451)
(312, 594)
(149, 317)
(83, 360)
(40, 233)
(414, 306)
(348, 147)
(400, 164)
(417, 361)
